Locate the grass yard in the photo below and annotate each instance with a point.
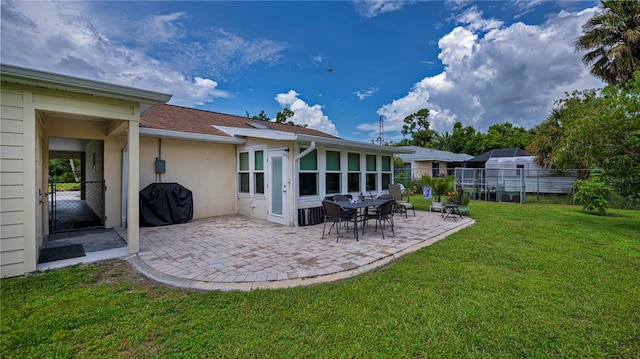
(534, 280)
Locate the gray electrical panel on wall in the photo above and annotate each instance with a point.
(161, 166)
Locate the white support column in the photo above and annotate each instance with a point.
(133, 213)
(30, 197)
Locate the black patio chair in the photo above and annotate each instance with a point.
(383, 215)
(374, 211)
(347, 214)
(335, 214)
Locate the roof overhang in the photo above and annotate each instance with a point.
(257, 133)
(301, 138)
(35, 78)
(188, 136)
(338, 142)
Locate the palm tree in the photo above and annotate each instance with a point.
(548, 136)
(442, 142)
(612, 38)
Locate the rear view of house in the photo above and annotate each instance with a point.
(260, 169)
(127, 138)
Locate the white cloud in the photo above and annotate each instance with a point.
(317, 59)
(312, 116)
(512, 73)
(165, 27)
(457, 45)
(526, 4)
(363, 94)
(79, 39)
(373, 8)
(474, 21)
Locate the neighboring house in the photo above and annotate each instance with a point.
(430, 162)
(232, 165)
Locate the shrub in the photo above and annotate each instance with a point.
(593, 192)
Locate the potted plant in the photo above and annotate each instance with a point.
(463, 203)
(441, 187)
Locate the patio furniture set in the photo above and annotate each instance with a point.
(341, 209)
(344, 210)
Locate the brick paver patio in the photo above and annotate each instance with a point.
(241, 253)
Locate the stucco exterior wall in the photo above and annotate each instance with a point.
(207, 169)
(424, 168)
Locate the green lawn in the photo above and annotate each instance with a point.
(541, 281)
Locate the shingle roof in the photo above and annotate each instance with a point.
(500, 152)
(429, 154)
(184, 119)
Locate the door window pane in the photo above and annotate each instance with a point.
(276, 185)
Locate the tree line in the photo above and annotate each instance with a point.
(596, 129)
(462, 139)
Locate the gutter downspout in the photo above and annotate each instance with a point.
(306, 152)
(296, 161)
(125, 185)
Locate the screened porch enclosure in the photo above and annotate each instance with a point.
(514, 184)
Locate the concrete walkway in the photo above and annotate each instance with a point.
(240, 253)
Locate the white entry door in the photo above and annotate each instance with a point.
(277, 187)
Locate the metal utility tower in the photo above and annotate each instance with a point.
(381, 126)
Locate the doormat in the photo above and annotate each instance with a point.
(60, 253)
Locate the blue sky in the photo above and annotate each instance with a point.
(479, 63)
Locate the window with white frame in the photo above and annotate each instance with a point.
(333, 174)
(251, 172)
(353, 172)
(258, 173)
(371, 173)
(243, 172)
(386, 172)
(308, 174)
